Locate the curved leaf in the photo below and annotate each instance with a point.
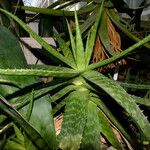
(107, 131)
(34, 135)
(103, 33)
(120, 55)
(91, 40)
(80, 57)
(123, 99)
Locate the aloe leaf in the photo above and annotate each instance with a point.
(103, 33)
(112, 118)
(9, 82)
(30, 107)
(65, 49)
(45, 127)
(10, 51)
(91, 40)
(34, 135)
(73, 46)
(74, 120)
(107, 131)
(80, 57)
(89, 21)
(141, 101)
(18, 133)
(54, 72)
(19, 102)
(91, 134)
(62, 92)
(21, 142)
(59, 106)
(134, 86)
(52, 51)
(123, 99)
(120, 55)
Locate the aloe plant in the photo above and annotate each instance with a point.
(83, 94)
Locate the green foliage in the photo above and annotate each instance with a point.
(83, 95)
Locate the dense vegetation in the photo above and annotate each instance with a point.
(97, 110)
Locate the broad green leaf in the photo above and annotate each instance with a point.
(91, 40)
(41, 119)
(53, 72)
(50, 50)
(74, 120)
(123, 99)
(91, 134)
(34, 135)
(10, 54)
(107, 131)
(79, 49)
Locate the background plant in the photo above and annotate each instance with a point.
(77, 89)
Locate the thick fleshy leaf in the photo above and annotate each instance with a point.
(80, 57)
(53, 72)
(135, 86)
(111, 117)
(120, 55)
(123, 99)
(74, 120)
(107, 131)
(91, 40)
(21, 142)
(142, 101)
(91, 134)
(62, 92)
(42, 109)
(65, 49)
(72, 40)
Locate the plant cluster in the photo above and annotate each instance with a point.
(95, 108)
